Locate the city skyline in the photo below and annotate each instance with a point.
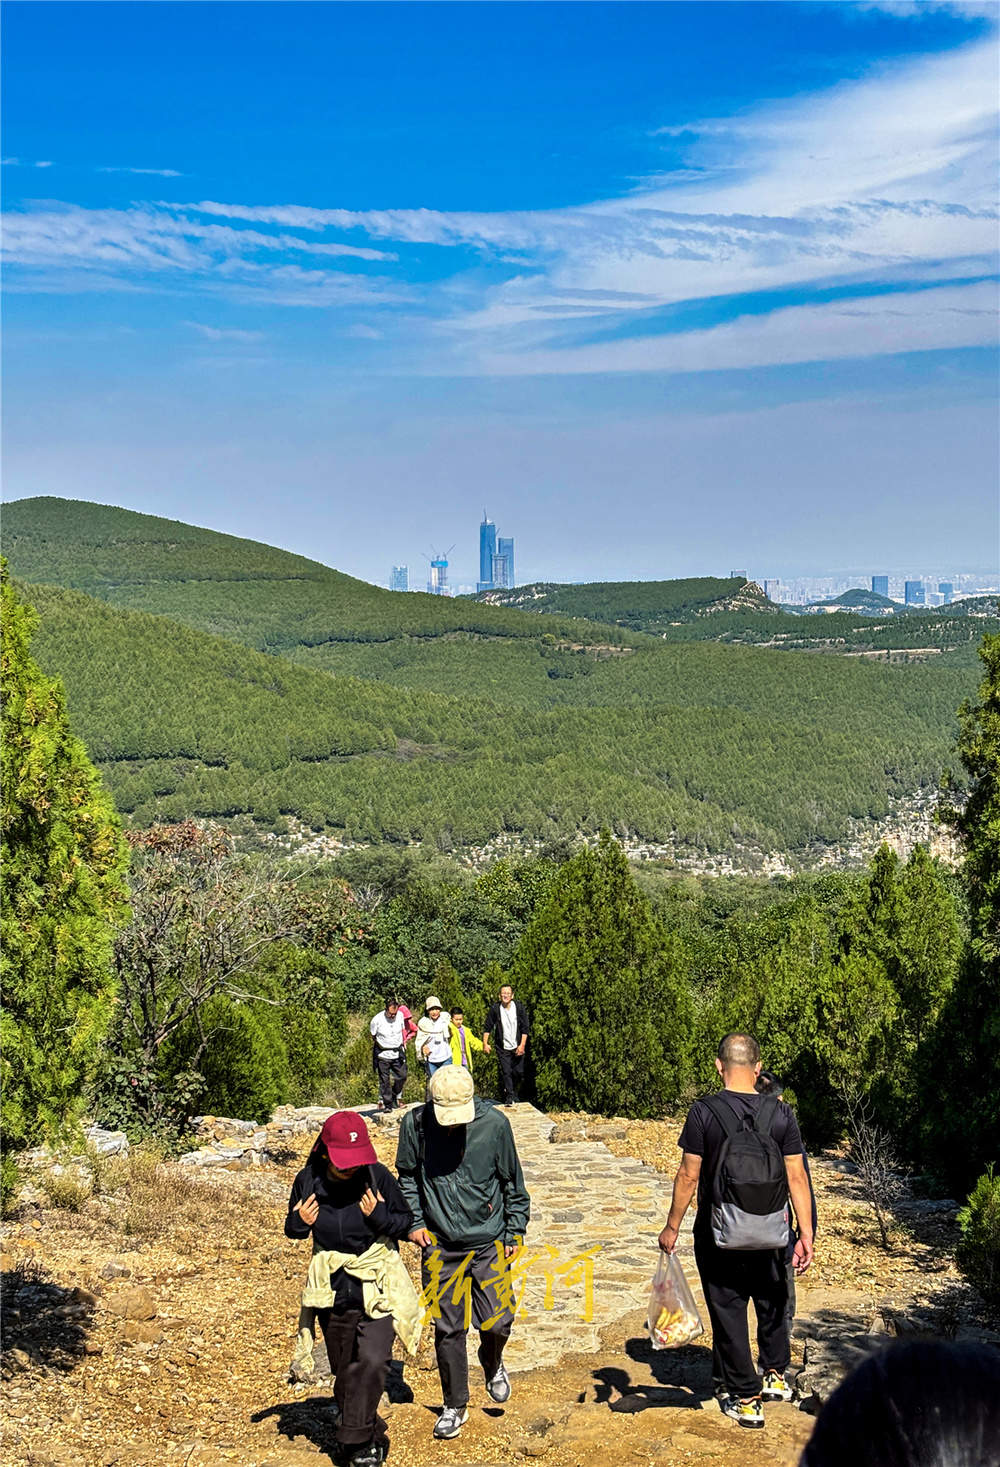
(578, 260)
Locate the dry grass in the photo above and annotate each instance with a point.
(67, 1188)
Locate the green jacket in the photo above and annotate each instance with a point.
(463, 1183)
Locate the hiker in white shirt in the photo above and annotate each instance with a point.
(434, 1036)
(388, 1031)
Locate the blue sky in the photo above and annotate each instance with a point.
(672, 288)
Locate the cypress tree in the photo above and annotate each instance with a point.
(961, 1063)
(610, 1017)
(64, 886)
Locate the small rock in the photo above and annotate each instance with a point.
(115, 1270)
(19, 1359)
(93, 1347)
(142, 1332)
(132, 1304)
(534, 1447)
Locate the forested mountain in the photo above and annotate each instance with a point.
(705, 744)
(253, 593)
(643, 606)
(737, 610)
(454, 720)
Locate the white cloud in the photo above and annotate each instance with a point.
(224, 333)
(153, 172)
(885, 179)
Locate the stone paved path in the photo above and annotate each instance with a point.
(584, 1201)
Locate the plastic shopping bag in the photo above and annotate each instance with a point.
(672, 1318)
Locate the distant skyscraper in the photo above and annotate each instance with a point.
(438, 583)
(772, 590)
(505, 547)
(913, 593)
(400, 578)
(487, 550)
(500, 574)
(947, 591)
(880, 585)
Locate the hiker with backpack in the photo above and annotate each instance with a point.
(742, 1155)
(460, 1176)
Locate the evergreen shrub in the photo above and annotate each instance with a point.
(978, 1254)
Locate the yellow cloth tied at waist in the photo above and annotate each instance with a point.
(385, 1286)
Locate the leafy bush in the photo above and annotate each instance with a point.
(978, 1254)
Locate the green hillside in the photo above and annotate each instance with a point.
(642, 606)
(737, 611)
(252, 593)
(396, 717)
(751, 746)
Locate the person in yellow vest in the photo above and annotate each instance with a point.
(462, 1042)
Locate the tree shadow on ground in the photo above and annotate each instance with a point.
(42, 1320)
(683, 1378)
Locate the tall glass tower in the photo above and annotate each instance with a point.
(400, 578)
(487, 550)
(505, 549)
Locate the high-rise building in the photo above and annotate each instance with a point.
(505, 547)
(487, 550)
(913, 593)
(400, 578)
(501, 578)
(438, 583)
(947, 590)
(880, 585)
(772, 590)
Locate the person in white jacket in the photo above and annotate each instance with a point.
(433, 1041)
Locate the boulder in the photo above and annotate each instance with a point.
(132, 1304)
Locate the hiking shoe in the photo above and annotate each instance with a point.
(450, 1422)
(747, 1413)
(370, 1455)
(775, 1387)
(499, 1386)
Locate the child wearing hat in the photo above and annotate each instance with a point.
(352, 1206)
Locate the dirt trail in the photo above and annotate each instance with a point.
(198, 1374)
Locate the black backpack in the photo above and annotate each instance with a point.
(749, 1186)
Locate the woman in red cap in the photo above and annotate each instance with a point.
(352, 1206)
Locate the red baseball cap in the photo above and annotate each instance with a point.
(345, 1139)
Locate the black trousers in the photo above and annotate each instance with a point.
(360, 1350)
(466, 1292)
(511, 1072)
(730, 1279)
(391, 1079)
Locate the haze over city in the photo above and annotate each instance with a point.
(675, 289)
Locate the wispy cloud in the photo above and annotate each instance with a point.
(224, 333)
(152, 172)
(886, 180)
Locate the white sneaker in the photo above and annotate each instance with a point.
(776, 1387)
(747, 1413)
(450, 1422)
(499, 1386)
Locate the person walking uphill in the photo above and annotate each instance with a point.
(389, 1034)
(433, 1041)
(743, 1157)
(357, 1282)
(460, 1175)
(507, 1023)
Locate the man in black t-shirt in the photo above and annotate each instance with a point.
(731, 1278)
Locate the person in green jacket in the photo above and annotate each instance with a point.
(461, 1178)
(463, 1044)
